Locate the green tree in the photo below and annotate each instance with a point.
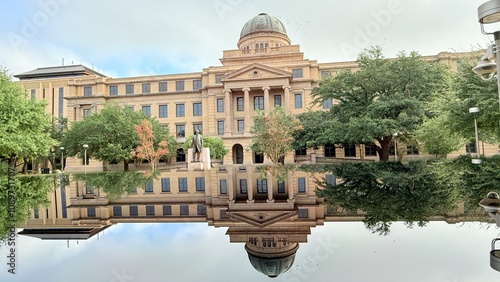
(384, 97)
(110, 135)
(437, 139)
(274, 134)
(24, 125)
(215, 143)
(115, 184)
(389, 192)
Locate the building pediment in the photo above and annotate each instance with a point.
(260, 218)
(256, 71)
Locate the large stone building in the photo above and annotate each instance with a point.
(270, 217)
(264, 72)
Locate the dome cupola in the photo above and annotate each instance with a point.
(261, 32)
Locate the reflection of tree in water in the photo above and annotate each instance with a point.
(388, 192)
(30, 193)
(114, 183)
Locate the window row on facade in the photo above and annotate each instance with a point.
(145, 88)
(153, 210)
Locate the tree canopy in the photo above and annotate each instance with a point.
(384, 97)
(24, 125)
(111, 136)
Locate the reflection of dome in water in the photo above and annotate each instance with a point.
(272, 262)
(263, 23)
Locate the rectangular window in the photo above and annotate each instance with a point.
(301, 184)
(87, 91)
(240, 104)
(180, 130)
(330, 179)
(132, 108)
(196, 84)
(303, 213)
(277, 100)
(162, 87)
(370, 150)
(179, 110)
(301, 152)
(183, 184)
(134, 211)
(297, 73)
(330, 151)
(198, 126)
(165, 184)
(241, 125)
(327, 103)
(218, 78)
(325, 74)
(411, 150)
(90, 211)
(150, 210)
(179, 86)
(117, 210)
(243, 186)
(87, 112)
(197, 111)
(298, 101)
(350, 151)
(201, 210)
(184, 209)
(146, 110)
(469, 148)
(33, 93)
(223, 186)
(89, 189)
(261, 186)
(200, 183)
(258, 103)
(220, 127)
(36, 214)
(220, 105)
(281, 186)
(148, 187)
(129, 89)
(146, 88)
(113, 90)
(167, 210)
(162, 111)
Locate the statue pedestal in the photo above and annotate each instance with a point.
(202, 163)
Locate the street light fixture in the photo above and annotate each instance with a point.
(85, 146)
(491, 205)
(476, 159)
(488, 13)
(62, 159)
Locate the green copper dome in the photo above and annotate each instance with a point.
(263, 23)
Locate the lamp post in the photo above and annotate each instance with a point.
(491, 205)
(488, 13)
(62, 159)
(85, 146)
(395, 147)
(477, 159)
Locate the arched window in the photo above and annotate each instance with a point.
(257, 46)
(261, 45)
(267, 45)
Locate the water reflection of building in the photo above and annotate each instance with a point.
(270, 217)
(264, 72)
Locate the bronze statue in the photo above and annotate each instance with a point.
(197, 145)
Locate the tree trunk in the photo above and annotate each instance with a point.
(384, 149)
(25, 165)
(125, 165)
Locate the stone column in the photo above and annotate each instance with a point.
(289, 186)
(270, 192)
(78, 114)
(228, 123)
(250, 184)
(266, 99)
(230, 184)
(246, 105)
(286, 99)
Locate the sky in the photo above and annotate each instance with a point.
(343, 251)
(123, 38)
